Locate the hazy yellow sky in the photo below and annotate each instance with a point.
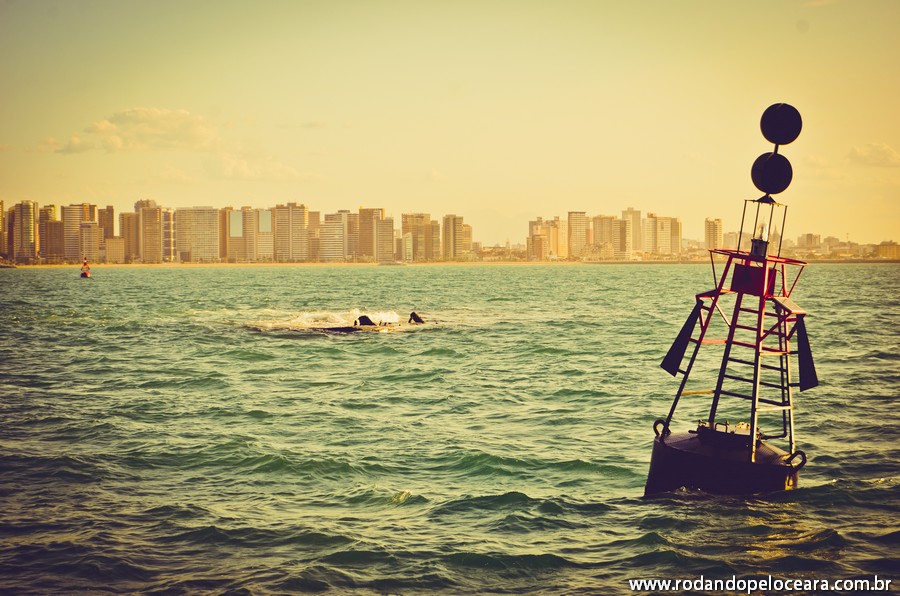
(497, 111)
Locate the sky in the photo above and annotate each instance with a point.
(498, 111)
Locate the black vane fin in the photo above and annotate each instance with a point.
(808, 376)
(673, 358)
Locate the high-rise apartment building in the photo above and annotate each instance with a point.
(537, 247)
(613, 237)
(72, 216)
(169, 254)
(234, 235)
(265, 234)
(426, 235)
(453, 238)
(224, 231)
(808, 241)
(561, 247)
(315, 242)
(352, 235)
(713, 233)
(250, 224)
(197, 234)
(637, 238)
(368, 232)
(250, 235)
(556, 236)
(151, 232)
(106, 217)
(603, 229)
(130, 230)
(622, 237)
(334, 237)
(115, 249)
(467, 243)
(413, 224)
(433, 240)
(25, 241)
(50, 251)
(406, 246)
(662, 235)
(53, 242)
(89, 238)
(730, 240)
(578, 233)
(384, 240)
(291, 243)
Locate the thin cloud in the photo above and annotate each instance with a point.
(174, 175)
(161, 129)
(76, 145)
(5, 148)
(876, 154)
(815, 161)
(820, 168)
(48, 145)
(143, 129)
(233, 166)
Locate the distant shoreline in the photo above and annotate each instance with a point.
(425, 264)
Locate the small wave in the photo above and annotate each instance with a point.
(381, 498)
(356, 557)
(648, 539)
(184, 382)
(176, 512)
(524, 524)
(889, 538)
(69, 468)
(511, 500)
(65, 565)
(485, 464)
(521, 564)
(255, 537)
(441, 352)
(677, 560)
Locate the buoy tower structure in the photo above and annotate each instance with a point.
(758, 332)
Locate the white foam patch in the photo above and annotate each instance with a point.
(320, 319)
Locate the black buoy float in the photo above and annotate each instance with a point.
(751, 316)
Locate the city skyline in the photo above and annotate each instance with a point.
(494, 109)
(153, 233)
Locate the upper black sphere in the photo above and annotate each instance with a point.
(781, 123)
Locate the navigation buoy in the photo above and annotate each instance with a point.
(750, 314)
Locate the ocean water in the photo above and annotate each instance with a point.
(183, 430)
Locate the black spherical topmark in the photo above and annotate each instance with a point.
(781, 123)
(771, 173)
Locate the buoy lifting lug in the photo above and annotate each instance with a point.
(793, 456)
(665, 431)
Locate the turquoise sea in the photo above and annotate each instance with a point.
(181, 430)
